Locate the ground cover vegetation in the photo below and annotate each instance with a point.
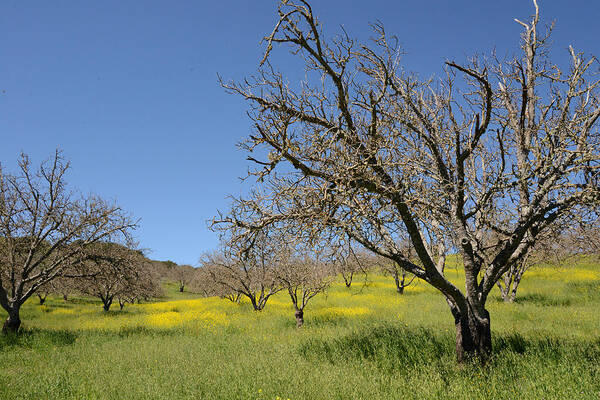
(420, 187)
(364, 342)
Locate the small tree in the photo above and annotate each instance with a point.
(113, 271)
(144, 286)
(43, 295)
(182, 275)
(63, 287)
(399, 274)
(556, 248)
(348, 261)
(45, 230)
(247, 269)
(303, 278)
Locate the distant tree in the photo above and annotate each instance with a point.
(557, 248)
(63, 286)
(45, 229)
(402, 279)
(115, 272)
(347, 260)
(303, 278)
(366, 149)
(245, 269)
(42, 295)
(145, 285)
(183, 275)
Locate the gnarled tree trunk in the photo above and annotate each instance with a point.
(13, 322)
(473, 335)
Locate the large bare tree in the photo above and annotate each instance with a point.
(45, 229)
(363, 148)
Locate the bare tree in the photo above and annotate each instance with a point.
(43, 295)
(505, 146)
(45, 229)
(304, 277)
(113, 271)
(394, 269)
(204, 283)
(63, 286)
(402, 279)
(559, 247)
(246, 269)
(347, 260)
(182, 275)
(145, 285)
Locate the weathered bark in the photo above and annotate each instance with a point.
(299, 314)
(13, 322)
(473, 336)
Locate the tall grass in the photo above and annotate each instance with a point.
(367, 342)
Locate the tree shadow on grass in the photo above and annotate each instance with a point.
(548, 348)
(389, 348)
(543, 300)
(400, 348)
(37, 338)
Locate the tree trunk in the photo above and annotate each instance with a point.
(42, 299)
(181, 288)
(348, 279)
(13, 322)
(473, 337)
(399, 285)
(65, 297)
(516, 281)
(299, 314)
(106, 305)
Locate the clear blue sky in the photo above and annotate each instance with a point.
(128, 89)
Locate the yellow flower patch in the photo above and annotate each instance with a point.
(563, 274)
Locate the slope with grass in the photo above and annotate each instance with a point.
(367, 342)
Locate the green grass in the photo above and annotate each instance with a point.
(363, 343)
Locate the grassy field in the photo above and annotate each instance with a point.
(363, 343)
